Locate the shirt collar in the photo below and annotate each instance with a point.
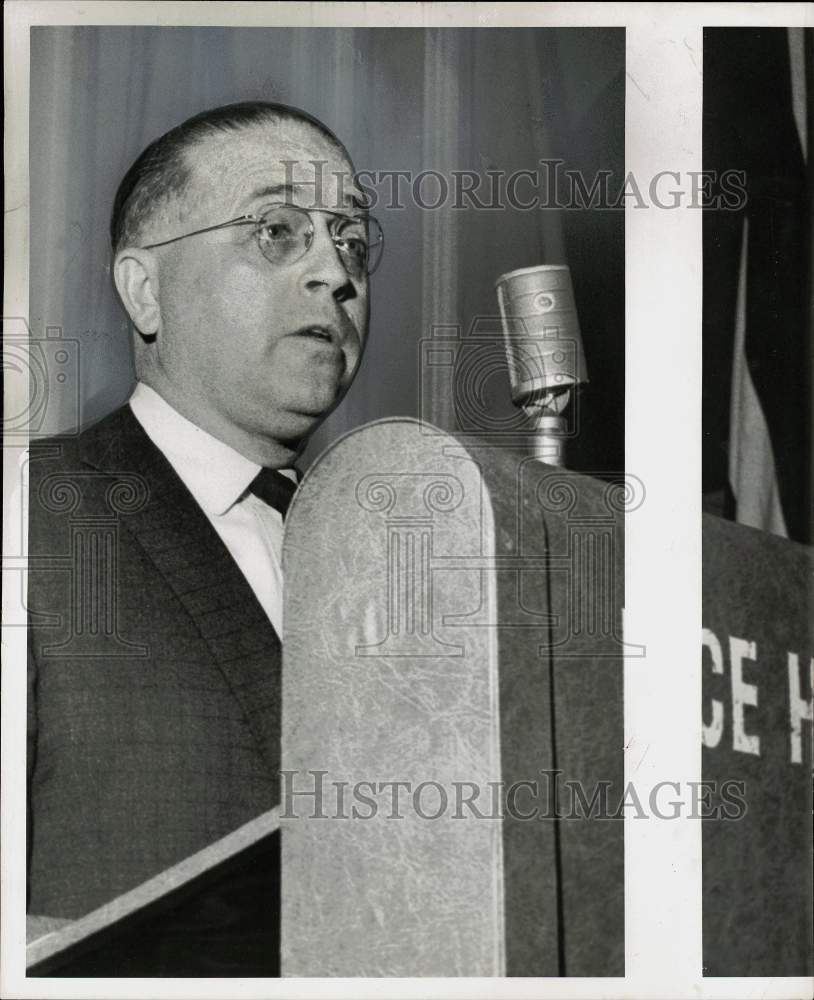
(213, 472)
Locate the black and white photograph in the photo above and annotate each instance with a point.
(394, 395)
(463, 184)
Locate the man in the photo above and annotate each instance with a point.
(242, 254)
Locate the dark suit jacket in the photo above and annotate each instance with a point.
(154, 673)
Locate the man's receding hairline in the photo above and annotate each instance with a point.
(225, 121)
(224, 137)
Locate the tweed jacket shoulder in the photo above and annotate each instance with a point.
(154, 674)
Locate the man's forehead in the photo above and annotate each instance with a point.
(285, 161)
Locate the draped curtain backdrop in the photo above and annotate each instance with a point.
(401, 99)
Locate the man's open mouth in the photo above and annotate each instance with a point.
(324, 333)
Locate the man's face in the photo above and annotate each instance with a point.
(257, 352)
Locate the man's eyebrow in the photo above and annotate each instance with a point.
(271, 191)
(360, 201)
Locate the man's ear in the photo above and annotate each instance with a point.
(135, 272)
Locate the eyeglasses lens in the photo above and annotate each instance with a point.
(286, 233)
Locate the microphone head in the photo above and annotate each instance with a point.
(541, 331)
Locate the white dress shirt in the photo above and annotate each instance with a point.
(218, 478)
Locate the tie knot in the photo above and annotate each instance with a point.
(273, 488)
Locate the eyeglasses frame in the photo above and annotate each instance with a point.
(253, 219)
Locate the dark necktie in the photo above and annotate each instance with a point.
(273, 488)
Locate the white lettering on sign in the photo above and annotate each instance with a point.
(711, 734)
(743, 694)
(800, 709)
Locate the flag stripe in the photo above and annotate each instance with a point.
(752, 473)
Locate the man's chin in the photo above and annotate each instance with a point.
(300, 423)
(319, 401)
(295, 419)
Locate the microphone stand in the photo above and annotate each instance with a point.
(545, 410)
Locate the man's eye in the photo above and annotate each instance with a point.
(353, 235)
(356, 244)
(278, 232)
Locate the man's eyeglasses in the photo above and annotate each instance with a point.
(285, 233)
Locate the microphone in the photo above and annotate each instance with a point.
(543, 348)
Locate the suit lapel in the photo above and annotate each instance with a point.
(180, 541)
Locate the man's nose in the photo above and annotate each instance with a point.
(325, 267)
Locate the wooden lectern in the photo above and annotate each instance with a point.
(452, 652)
(453, 630)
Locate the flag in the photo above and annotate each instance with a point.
(757, 312)
(752, 471)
